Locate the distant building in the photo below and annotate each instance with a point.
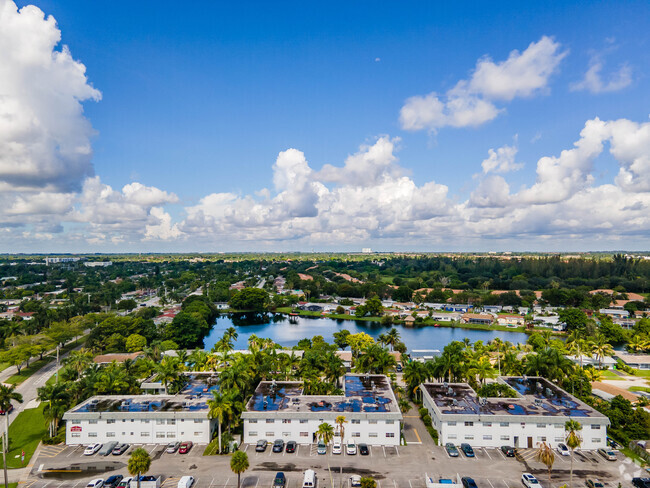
(477, 318)
(511, 320)
(366, 250)
(98, 264)
(49, 260)
(636, 361)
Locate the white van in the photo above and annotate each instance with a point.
(186, 482)
(310, 480)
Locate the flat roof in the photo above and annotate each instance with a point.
(143, 404)
(535, 397)
(633, 358)
(362, 393)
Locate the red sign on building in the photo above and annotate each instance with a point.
(75, 428)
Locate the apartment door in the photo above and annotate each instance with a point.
(516, 441)
(530, 443)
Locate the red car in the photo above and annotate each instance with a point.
(185, 447)
(11, 409)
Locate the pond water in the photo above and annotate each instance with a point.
(287, 334)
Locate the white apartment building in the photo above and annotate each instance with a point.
(537, 414)
(279, 410)
(144, 419)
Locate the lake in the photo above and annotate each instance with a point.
(287, 334)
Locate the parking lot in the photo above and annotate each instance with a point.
(392, 467)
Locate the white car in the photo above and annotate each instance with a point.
(351, 448)
(96, 483)
(92, 449)
(336, 447)
(186, 482)
(530, 481)
(355, 481)
(563, 449)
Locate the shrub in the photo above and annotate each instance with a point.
(427, 420)
(423, 411)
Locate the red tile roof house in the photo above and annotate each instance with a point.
(477, 318)
(511, 320)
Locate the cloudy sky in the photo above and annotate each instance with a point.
(244, 126)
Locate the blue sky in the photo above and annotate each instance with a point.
(211, 126)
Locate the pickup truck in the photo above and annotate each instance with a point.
(146, 482)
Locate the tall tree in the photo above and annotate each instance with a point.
(220, 407)
(573, 441)
(546, 456)
(239, 464)
(340, 421)
(139, 463)
(7, 394)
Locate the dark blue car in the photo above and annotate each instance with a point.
(467, 450)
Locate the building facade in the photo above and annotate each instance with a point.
(279, 410)
(536, 414)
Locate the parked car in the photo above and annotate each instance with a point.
(261, 445)
(355, 481)
(530, 481)
(509, 451)
(113, 481)
(125, 483)
(280, 480)
(92, 449)
(641, 482)
(337, 448)
(612, 443)
(351, 448)
(278, 445)
(467, 449)
(96, 483)
(399, 368)
(321, 448)
(451, 449)
(120, 449)
(363, 449)
(563, 449)
(186, 482)
(107, 448)
(185, 447)
(172, 447)
(591, 483)
(291, 446)
(607, 454)
(468, 482)
(9, 410)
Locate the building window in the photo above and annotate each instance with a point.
(76, 435)
(559, 439)
(270, 421)
(144, 421)
(92, 434)
(469, 424)
(144, 434)
(388, 422)
(595, 426)
(303, 421)
(504, 424)
(252, 434)
(541, 438)
(160, 422)
(469, 437)
(390, 434)
(372, 434)
(356, 421)
(505, 437)
(76, 422)
(596, 440)
(487, 424)
(451, 424)
(372, 421)
(286, 434)
(198, 421)
(251, 421)
(286, 421)
(452, 436)
(487, 437)
(171, 421)
(356, 434)
(304, 434)
(171, 434)
(559, 426)
(160, 435)
(523, 425)
(196, 434)
(110, 421)
(110, 434)
(92, 421)
(541, 426)
(270, 434)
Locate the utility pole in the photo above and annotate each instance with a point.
(57, 363)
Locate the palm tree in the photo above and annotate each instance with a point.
(601, 348)
(79, 360)
(593, 374)
(231, 333)
(7, 393)
(573, 441)
(57, 396)
(483, 369)
(325, 433)
(333, 368)
(220, 406)
(239, 464)
(546, 455)
(392, 338)
(167, 371)
(340, 420)
(139, 463)
(415, 373)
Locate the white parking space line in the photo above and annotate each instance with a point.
(490, 482)
(394, 483)
(246, 448)
(488, 455)
(226, 483)
(152, 449)
(257, 481)
(397, 451)
(384, 448)
(506, 483)
(502, 455)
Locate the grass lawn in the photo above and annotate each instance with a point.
(25, 433)
(610, 375)
(639, 388)
(643, 373)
